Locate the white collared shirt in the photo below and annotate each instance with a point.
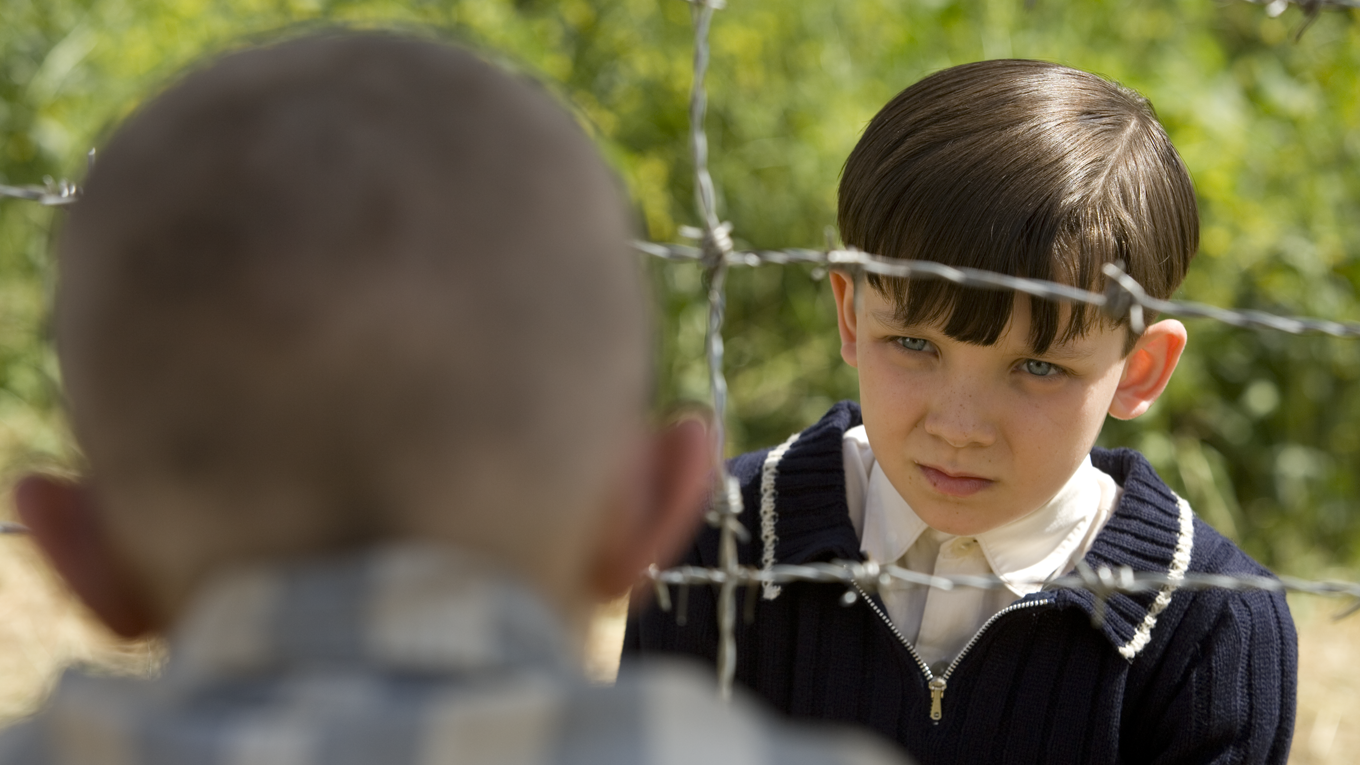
(1043, 544)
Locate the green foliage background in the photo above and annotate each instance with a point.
(1261, 431)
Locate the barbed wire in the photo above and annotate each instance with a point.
(715, 252)
(1103, 582)
(53, 194)
(1123, 298)
(1312, 7)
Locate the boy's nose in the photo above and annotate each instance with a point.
(959, 422)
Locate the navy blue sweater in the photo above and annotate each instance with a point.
(1183, 677)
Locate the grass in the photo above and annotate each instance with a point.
(1328, 727)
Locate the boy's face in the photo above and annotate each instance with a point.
(974, 436)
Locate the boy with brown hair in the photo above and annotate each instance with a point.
(355, 350)
(971, 453)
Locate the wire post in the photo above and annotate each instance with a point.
(715, 252)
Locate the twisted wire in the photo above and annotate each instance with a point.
(54, 194)
(1123, 298)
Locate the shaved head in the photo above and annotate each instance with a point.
(343, 289)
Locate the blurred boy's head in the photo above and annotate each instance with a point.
(981, 405)
(343, 290)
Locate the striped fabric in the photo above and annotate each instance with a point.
(399, 655)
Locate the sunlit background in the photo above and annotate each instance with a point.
(1260, 431)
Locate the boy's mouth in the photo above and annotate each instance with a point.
(953, 484)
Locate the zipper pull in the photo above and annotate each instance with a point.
(937, 685)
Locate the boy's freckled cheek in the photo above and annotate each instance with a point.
(890, 384)
(1058, 418)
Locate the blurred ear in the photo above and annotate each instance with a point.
(843, 288)
(1148, 368)
(655, 516)
(63, 522)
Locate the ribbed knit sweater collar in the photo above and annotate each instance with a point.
(1150, 531)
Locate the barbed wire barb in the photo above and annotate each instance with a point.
(53, 194)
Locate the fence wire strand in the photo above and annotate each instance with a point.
(1123, 298)
(715, 252)
(53, 194)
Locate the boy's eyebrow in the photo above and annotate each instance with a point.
(1056, 351)
(889, 318)
(1065, 352)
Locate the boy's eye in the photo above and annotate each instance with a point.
(1041, 368)
(913, 343)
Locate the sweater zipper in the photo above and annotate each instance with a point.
(938, 684)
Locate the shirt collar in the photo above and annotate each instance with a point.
(410, 607)
(890, 525)
(1031, 548)
(1039, 546)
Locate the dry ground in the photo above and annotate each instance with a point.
(42, 631)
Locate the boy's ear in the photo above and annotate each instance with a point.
(61, 518)
(656, 517)
(843, 288)
(1148, 368)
